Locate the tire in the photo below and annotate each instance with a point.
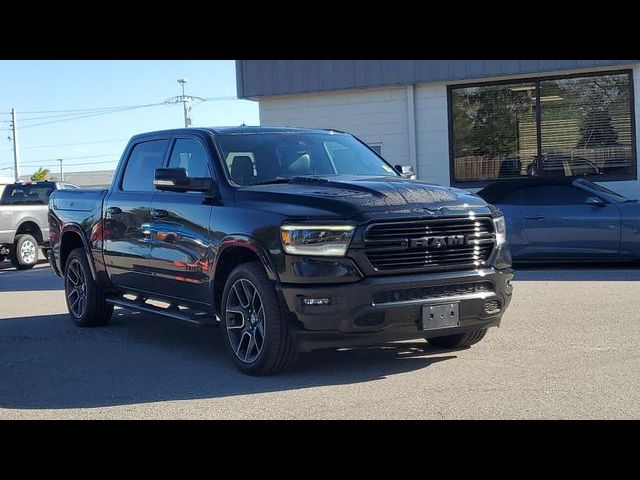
(24, 254)
(256, 331)
(85, 299)
(461, 340)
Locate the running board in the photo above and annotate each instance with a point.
(199, 318)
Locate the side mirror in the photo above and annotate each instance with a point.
(406, 171)
(595, 201)
(176, 180)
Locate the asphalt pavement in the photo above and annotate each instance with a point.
(567, 348)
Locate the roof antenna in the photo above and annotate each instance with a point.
(243, 124)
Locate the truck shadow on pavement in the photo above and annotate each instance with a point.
(48, 363)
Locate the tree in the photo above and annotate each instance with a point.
(597, 130)
(40, 175)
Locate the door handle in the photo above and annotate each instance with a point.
(114, 210)
(159, 213)
(534, 217)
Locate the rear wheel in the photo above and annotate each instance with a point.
(85, 300)
(25, 252)
(458, 341)
(257, 333)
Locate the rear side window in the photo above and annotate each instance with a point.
(190, 155)
(547, 195)
(142, 164)
(36, 194)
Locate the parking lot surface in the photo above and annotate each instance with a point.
(567, 348)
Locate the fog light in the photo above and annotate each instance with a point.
(508, 288)
(315, 301)
(492, 306)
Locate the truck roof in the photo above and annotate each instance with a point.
(238, 130)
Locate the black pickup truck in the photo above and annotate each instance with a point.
(289, 239)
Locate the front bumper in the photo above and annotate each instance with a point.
(382, 309)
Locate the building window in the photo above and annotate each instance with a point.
(566, 126)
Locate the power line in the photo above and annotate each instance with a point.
(69, 144)
(44, 160)
(80, 110)
(77, 143)
(74, 114)
(93, 115)
(77, 164)
(67, 115)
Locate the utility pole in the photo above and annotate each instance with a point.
(185, 103)
(16, 170)
(61, 174)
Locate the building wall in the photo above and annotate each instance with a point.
(90, 179)
(381, 115)
(632, 189)
(432, 132)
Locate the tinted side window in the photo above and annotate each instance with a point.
(547, 195)
(142, 164)
(190, 155)
(26, 194)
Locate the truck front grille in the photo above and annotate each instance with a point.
(433, 244)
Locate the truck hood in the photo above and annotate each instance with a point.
(350, 197)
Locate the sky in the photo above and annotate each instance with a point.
(95, 142)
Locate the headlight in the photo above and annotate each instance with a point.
(325, 240)
(500, 231)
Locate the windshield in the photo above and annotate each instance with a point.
(24, 194)
(251, 158)
(616, 197)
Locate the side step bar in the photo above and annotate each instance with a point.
(199, 318)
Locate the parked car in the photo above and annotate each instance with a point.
(294, 239)
(566, 219)
(564, 165)
(23, 220)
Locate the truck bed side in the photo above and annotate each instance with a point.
(76, 217)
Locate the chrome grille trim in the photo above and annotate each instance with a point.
(393, 246)
(453, 298)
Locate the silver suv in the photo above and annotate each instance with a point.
(23, 220)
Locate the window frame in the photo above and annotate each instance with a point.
(536, 80)
(129, 154)
(169, 153)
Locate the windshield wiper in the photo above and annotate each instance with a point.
(272, 181)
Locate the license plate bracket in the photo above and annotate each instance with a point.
(442, 315)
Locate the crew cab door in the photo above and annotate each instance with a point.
(127, 216)
(180, 254)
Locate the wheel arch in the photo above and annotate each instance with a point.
(233, 251)
(73, 237)
(31, 227)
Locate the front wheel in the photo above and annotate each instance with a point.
(85, 299)
(458, 341)
(256, 332)
(25, 252)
